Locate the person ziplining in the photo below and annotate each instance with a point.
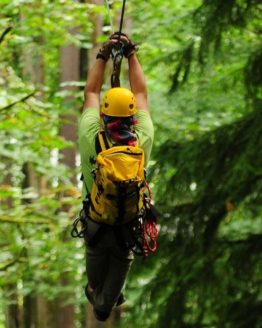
(115, 141)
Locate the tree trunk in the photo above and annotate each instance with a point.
(12, 316)
(97, 20)
(33, 71)
(69, 63)
(29, 301)
(12, 313)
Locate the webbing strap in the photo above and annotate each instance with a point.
(102, 143)
(118, 55)
(115, 77)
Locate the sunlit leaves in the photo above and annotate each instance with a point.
(205, 169)
(32, 221)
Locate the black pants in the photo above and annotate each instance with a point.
(107, 266)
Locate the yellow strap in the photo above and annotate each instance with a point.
(103, 141)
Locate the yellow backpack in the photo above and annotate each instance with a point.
(118, 191)
(119, 198)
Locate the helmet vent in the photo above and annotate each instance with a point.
(118, 102)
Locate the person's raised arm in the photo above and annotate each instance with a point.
(96, 76)
(93, 84)
(137, 82)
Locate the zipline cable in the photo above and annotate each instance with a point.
(122, 18)
(110, 16)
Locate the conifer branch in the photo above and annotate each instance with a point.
(6, 31)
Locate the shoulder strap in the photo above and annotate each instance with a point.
(102, 143)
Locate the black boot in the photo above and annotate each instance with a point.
(101, 315)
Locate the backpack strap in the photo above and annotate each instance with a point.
(102, 142)
(83, 180)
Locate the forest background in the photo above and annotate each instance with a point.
(203, 65)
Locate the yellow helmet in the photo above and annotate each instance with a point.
(119, 102)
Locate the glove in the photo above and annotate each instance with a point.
(129, 48)
(105, 52)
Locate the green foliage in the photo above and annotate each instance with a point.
(203, 65)
(35, 222)
(206, 170)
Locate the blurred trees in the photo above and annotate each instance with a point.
(38, 100)
(203, 65)
(207, 165)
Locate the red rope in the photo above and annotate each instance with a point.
(149, 191)
(150, 230)
(150, 236)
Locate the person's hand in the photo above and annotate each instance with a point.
(129, 48)
(106, 50)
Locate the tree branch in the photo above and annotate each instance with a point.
(8, 264)
(21, 221)
(19, 259)
(18, 101)
(6, 31)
